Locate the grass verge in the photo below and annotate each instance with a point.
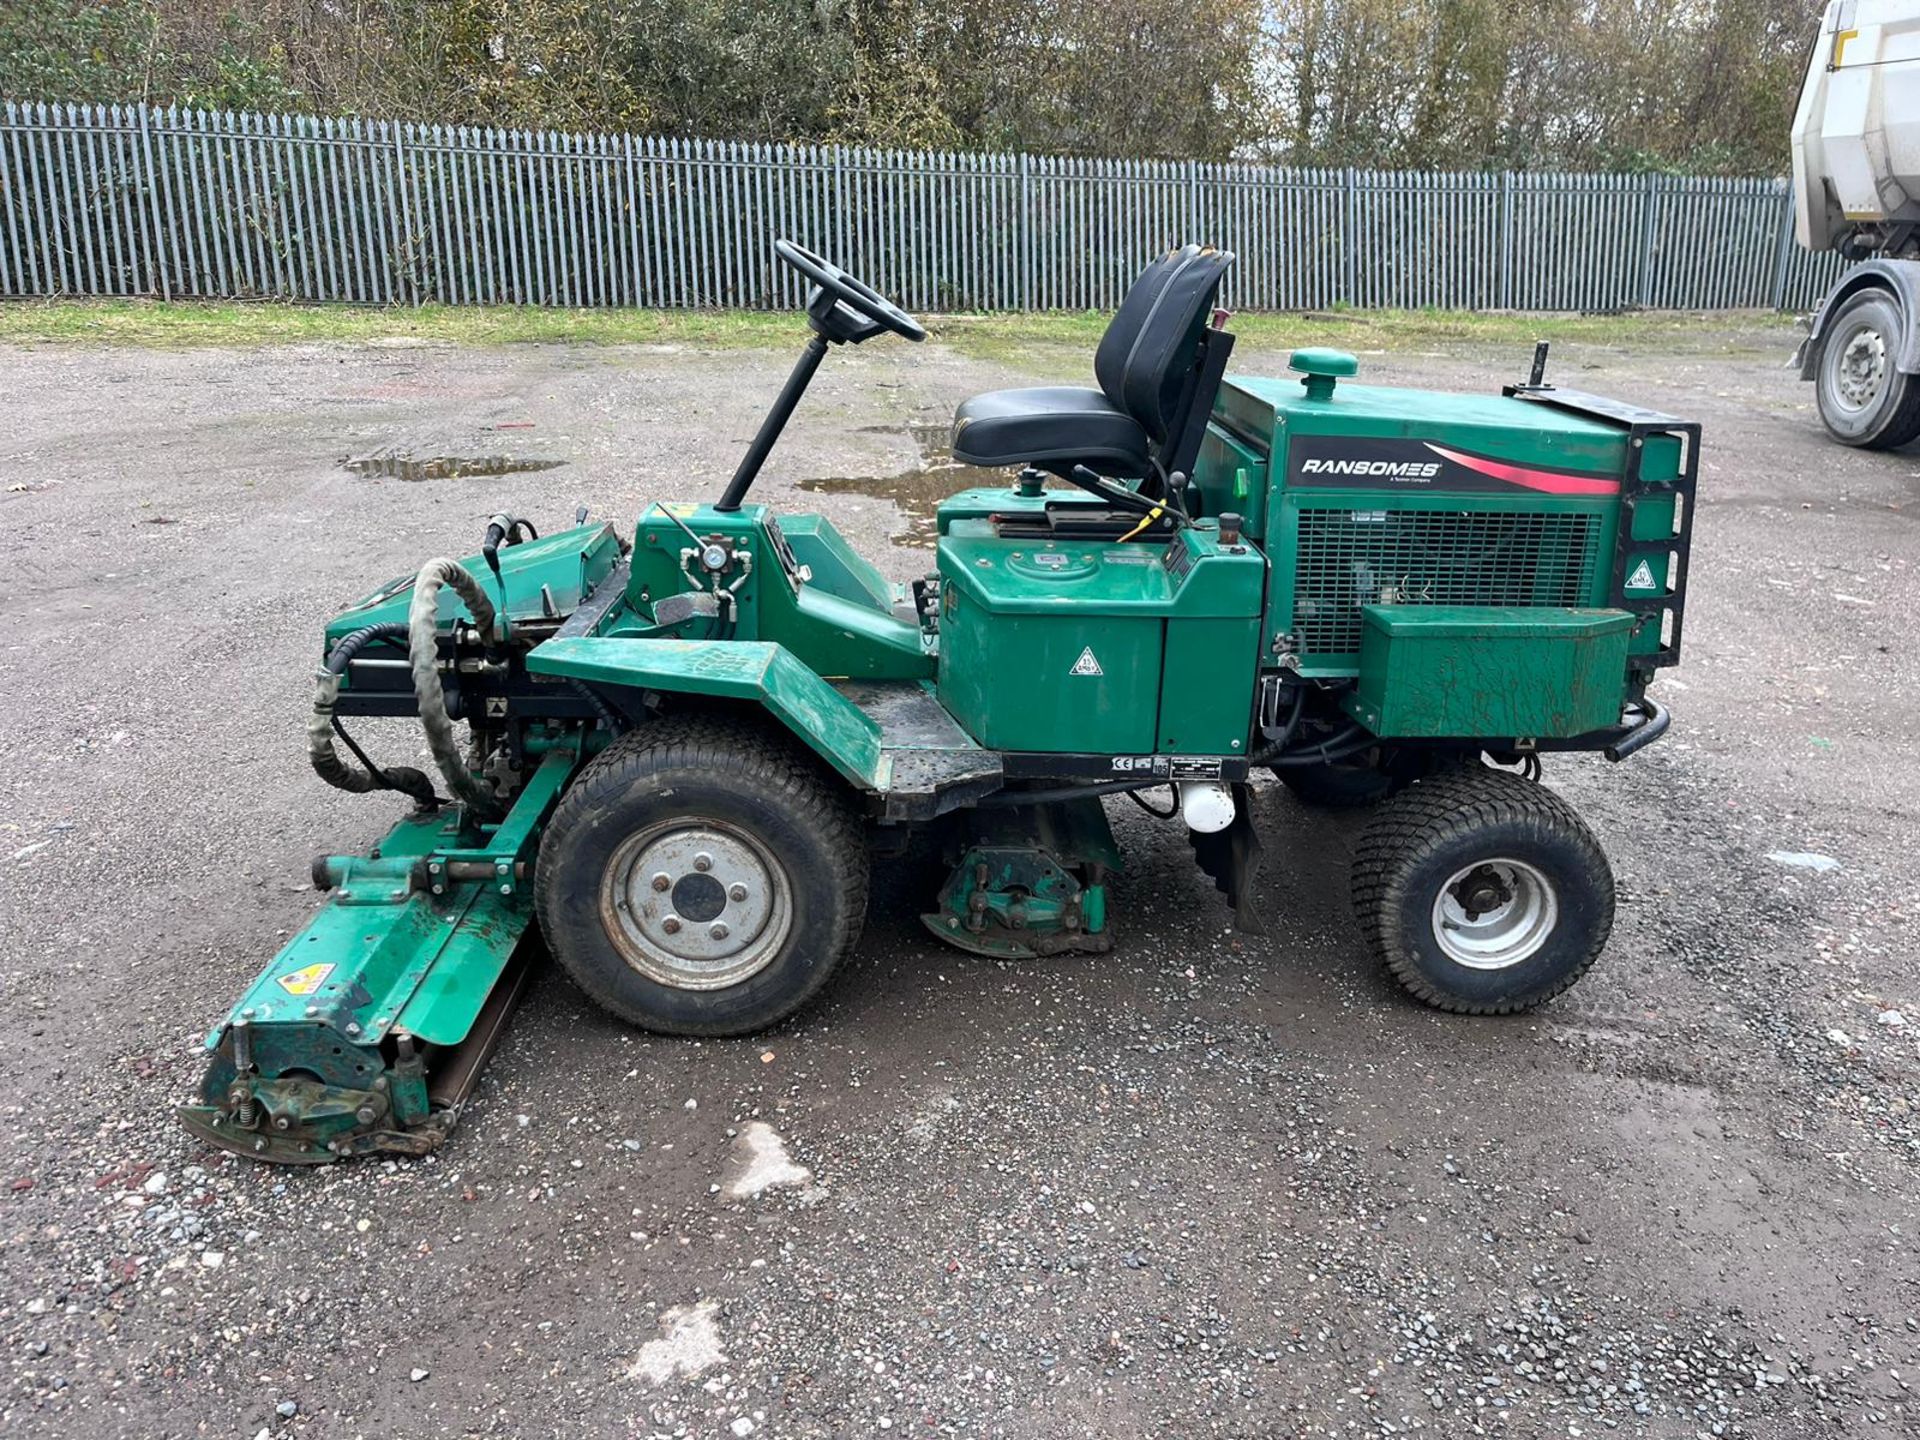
(203, 323)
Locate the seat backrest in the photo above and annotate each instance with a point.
(1146, 358)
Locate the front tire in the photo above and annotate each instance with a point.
(702, 877)
(1864, 398)
(1482, 892)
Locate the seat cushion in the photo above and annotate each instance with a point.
(1049, 426)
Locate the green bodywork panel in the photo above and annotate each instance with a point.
(1207, 685)
(756, 670)
(1341, 547)
(1265, 412)
(839, 623)
(1464, 671)
(544, 578)
(1232, 477)
(838, 569)
(1067, 645)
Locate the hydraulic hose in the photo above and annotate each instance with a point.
(423, 653)
(327, 763)
(1328, 752)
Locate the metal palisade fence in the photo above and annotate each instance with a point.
(131, 200)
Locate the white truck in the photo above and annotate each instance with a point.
(1856, 181)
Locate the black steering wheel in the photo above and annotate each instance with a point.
(850, 291)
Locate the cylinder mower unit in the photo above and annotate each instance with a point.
(681, 751)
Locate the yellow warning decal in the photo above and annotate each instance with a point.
(307, 980)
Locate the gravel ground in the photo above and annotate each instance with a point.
(1201, 1186)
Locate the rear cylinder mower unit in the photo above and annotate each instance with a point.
(677, 751)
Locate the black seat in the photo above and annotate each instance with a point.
(1146, 366)
(1053, 424)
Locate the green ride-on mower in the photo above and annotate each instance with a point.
(683, 749)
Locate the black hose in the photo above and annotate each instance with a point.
(1008, 799)
(1349, 742)
(323, 726)
(1166, 814)
(615, 723)
(1278, 744)
(1642, 735)
(353, 643)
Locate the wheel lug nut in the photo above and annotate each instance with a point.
(718, 931)
(671, 924)
(736, 892)
(703, 861)
(663, 881)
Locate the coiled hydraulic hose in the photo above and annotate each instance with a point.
(423, 653)
(327, 763)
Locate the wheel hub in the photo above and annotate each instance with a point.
(1862, 369)
(1494, 914)
(698, 905)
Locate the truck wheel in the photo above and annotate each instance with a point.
(1484, 893)
(702, 877)
(1864, 398)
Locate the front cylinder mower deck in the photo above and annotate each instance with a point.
(369, 1027)
(675, 752)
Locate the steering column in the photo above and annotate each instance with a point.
(841, 310)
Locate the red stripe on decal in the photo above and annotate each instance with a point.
(1551, 482)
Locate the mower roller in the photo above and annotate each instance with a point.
(679, 750)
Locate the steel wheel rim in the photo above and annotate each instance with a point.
(1510, 930)
(696, 904)
(1860, 371)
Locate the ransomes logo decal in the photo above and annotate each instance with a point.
(1363, 463)
(1385, 469)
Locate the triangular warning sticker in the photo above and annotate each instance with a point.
(1086, 664)
(306, 980)
(1642, 578)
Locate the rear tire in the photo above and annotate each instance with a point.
(1863, 397)
(702, 877)
(1366, 780)
(1337, 787)
(1482, 892)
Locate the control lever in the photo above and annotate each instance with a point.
(503, 528)
(1116, 495)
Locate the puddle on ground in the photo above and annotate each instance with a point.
(917, 491)
(442, 467)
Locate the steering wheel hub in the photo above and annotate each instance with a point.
(843, 308)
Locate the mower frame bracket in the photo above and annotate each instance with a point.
(513, 838)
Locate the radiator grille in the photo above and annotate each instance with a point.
(1350, 558)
